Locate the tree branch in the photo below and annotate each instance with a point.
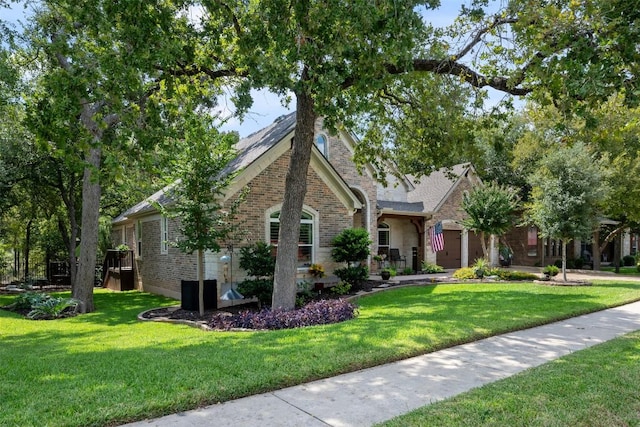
(449, 67)
(497, 21)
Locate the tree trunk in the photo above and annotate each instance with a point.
(83, 289)
(284, 280)
(201, 281)
(564, 260)
(617, 251)
(68, 197)
(27, 249)
(595, 246)
(483, 242)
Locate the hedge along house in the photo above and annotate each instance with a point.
(338, 197)
(409, 206)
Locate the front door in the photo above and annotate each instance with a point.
(475, 247)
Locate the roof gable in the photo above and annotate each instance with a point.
(433, 190)
(255, 153)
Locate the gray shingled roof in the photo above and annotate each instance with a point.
(249, 150)
(401, 206)
(433, 189)
(255, 145)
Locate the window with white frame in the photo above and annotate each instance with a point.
(164, 235)
(384, 239)
(305, 241)
(139, 238)
(323, 145)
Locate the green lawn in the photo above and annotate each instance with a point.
(109, 368)
(593, 387)
(632, 271)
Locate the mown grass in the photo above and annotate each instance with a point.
(632, 271)
(593, 387)
(107, 368)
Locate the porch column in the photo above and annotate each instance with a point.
(464, 248)
(626, 243)
(577, 248)
(493, 250)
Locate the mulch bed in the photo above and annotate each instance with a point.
(177, 313)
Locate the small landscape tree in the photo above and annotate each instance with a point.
(259, 263)
(198, 191)
(351, 246)
(490, 210)
(566, 189)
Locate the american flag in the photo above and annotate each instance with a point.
(437, 237)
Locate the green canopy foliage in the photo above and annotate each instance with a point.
(567, 187)
(490, 209)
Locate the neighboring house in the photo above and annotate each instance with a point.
(532, 250)
(338, 197)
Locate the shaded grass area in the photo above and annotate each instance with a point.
(631, 271)
(106, 368)
(593, 387)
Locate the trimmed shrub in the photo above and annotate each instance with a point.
(259, 288)
(315, 313)
(351, 245)
(628, 260)
(464, 273)
(258, 260)
(514, 275)
(342, 288)
(353, 275)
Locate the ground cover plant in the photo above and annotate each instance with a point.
(592, 387)
(107, 367)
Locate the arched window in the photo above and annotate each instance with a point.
(305, 242)
(384, 240)
(323, 145)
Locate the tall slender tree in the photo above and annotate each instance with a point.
(566, 189)
(198, 192)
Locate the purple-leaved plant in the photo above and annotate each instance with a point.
(315, 313)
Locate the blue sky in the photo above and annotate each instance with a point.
(267, 106)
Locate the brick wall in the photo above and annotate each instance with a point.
(265, 192)
(365, 186)
(452, 208)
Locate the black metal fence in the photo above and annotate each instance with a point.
(57, 273)
(37, 273)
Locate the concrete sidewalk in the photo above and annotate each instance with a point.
(377, 394)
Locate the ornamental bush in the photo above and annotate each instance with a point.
(464, 273)
(513, 275)
(351, 245)
(315, 313)
(431, 268)
(259, 288)
(353, 275)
